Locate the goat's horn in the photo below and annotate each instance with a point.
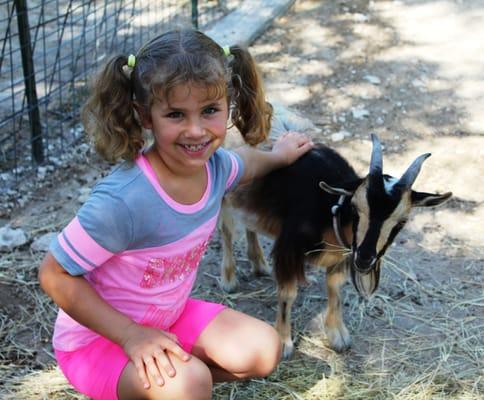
(408, 178)
(376, 163)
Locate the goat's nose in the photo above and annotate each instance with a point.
(364, 261)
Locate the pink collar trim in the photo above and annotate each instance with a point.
(147, 169)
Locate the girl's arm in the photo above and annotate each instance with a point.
(80, 301)
(287, 149)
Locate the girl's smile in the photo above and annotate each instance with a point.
(188, 127)
(196, 150)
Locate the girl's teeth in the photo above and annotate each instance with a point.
(194, 147)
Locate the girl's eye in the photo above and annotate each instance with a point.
(210, 110)
(174, 114)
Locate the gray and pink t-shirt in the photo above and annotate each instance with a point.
(138, 247)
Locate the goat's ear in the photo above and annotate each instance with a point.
(422, 199)
(346, 189)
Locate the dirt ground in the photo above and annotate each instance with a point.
(410, 71)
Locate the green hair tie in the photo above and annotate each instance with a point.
(131, 61)
(226, 50)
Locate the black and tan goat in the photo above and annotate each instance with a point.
(319, 211)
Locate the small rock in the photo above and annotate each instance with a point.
(84, 193)
(360, 113)
(11, 238)
(357, 17)
(339, 136)
(372, 79)
(42, 243)
(417, 83)
(285, 120)
(21, 201)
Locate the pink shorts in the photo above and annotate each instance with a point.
(95, 369)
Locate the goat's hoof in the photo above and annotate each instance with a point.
(287, 350)
(339, 339)
(261, 270)
(228, 286)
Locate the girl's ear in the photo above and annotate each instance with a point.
(144, 116)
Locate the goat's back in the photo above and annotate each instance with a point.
(294, 191)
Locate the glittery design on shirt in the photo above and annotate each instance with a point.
(164, 271)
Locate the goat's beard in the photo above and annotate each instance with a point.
(366, 284)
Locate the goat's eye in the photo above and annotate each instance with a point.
(354, 209)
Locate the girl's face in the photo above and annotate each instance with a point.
(188, 127)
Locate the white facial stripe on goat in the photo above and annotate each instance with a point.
(389, 183)
(360, 201)
(400, 212)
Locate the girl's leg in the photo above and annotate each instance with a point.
(237, 346)
(193, 381)
(102, 371)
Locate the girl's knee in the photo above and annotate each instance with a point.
(262, 355)
(195, 382)
(269, 348)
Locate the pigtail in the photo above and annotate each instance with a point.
(109, 116)
(251, 113)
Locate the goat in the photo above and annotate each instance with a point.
(320, 211)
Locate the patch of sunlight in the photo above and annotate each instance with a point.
(150, 18)
(40, 385)
(313, 34)
(316, 67)
(288, 94)
(414, 123)
(337, 101)
(357, 49)
(266, 48)
(363, 90)
(437, 33)
(463, 225)
(307, 5)
(326, 389)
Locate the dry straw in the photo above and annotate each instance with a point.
(416, 339)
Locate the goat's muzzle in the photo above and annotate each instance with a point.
(364, 263)
(365, 274)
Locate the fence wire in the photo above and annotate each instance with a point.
(49, 51)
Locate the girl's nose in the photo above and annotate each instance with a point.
(195, 129)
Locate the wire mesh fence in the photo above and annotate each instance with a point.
(49, 51)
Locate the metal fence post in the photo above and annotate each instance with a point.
(195, 14)
(29, 79)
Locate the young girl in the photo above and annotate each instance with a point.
(122, 270)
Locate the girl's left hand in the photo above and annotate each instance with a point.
(292, 145)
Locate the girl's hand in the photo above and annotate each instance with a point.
(291, 145)
(148, 349)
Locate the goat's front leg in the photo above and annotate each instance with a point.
(227, 226)
(336, 331)
(286, 294)
(256, 255)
